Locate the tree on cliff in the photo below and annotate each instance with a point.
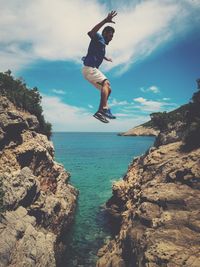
(188, 114)
(24, 98)
(161, 120)
(192, 136)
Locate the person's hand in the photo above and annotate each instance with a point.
(110, 16)
(109, 59)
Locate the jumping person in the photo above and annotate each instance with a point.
(92, 61)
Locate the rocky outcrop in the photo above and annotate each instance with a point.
(141, 131)
(22, 244)
(38, 201)
(156, 206)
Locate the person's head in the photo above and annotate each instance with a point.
(108, 33)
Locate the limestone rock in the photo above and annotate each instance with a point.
(21, 188)
(158, 200)
(141, 131)
(21, 244)
(12, 121)
(32, 122)
(174, 133)
(36, 191)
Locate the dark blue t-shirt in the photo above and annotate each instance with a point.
(96, 51)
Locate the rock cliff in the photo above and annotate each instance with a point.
(38, 201)
(156, 207)
(141, 131)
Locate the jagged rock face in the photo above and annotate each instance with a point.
(31, 179)
(158, 203)
(173, 133)
(21, 188)
(21, 244)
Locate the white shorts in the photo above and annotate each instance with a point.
(94, 76)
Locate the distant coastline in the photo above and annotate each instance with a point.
(141, 131)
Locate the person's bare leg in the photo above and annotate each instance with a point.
(105, 92)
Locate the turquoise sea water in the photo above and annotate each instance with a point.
(95, 161)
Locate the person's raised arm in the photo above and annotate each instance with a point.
(109, 18)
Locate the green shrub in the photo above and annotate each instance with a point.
(160, 120)
(192, 135)
(24, 98)
(189, 114)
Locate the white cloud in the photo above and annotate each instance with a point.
(153, 106)
(143, 106)
(58, 91)
(154, 89)
(114, 102)
(90, 106)
(56, 29)
(65, 117)
(49, 30)
(194, 3)
(142, 27)
(125, 114)
(140, 99)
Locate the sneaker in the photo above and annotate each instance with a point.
(99, 116)
(107, 113)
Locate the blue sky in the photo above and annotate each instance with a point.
(155, 54)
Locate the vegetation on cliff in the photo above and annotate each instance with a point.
(24, 98)
(191, 138)
(188, 114)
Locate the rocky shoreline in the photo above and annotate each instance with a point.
(156, 208)
(141, 131)
(38, 201)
